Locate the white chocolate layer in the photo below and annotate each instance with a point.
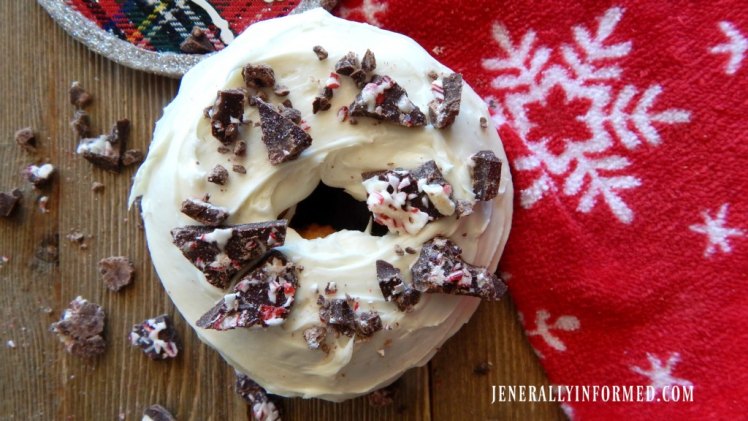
(183, 152)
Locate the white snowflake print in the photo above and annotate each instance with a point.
(735, 47)
(369, 9)
(580, 86)
(717, 232)
(661, 376)
(544, 330)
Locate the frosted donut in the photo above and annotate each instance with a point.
(347, 313)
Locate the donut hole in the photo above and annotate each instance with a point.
(329, 209)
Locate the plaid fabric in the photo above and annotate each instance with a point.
(161, 25)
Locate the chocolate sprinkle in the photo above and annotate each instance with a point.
(105, 151)
(284, 140)
(226, 115)
(116, 272)
(320, 52)
(79, 96)
(204, 212)
(440, 268)
(394, 288)
(156, 337)
(258, 76)
(8, 201)
(80, 328)
(486, 175)
(383, 99)
(218, 175)
(197, 43)
(25, 138)
(442, 112)
(158, 413)
(264, 297)
(369, 62)
(221, 252)
(264, 408)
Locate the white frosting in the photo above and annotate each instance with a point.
(183, 152)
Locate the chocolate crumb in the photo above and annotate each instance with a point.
(158, 413)
(483, 368)
(258, 76)
(315, 337)
(197, 42)
(226, 115)
(382, 397)
(116, 272)
(320, 52)
(105, 151)
(433, 75)
(48, 249)
(204, 212)
(240, 149)
(80, 328)
(483, 123)
(223, 149)
(368, 323)
(287, 103)
(399, 250)
(25, 138)
(156, 337)
(8, 201)
(281, 90)
(359, 77)
(239, 169)
(132, 156)
(347, 64)
(410, 250)
(486, 175)
(320, 103)
(290, 113)
(218, 175)
(369, 62)
(79, 96)
(97, 187)
(81, 124)
(75, 236)
(263, 407)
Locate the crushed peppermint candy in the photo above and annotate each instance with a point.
(440, 269)
(156, 337)
(264, 297)
(406, 200)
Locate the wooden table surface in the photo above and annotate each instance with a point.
(39, 381)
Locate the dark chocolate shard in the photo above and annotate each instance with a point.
(105, 151)
(221, 252)
(440, 268)
(39, 175)
(369, 62)
(368, 323)
(347, 64)
(80, 328)
(315, 337)
(383, 99)
(8, 201)
(338, 315)
(25, 138)
(81, 124)
(116, 272)
(424, 189)
(320, 52)
(204, 212)
(226, 115)
(158, 413)
(284, 140)
(281, 90)
(263, 297)
(156, 337)
(132, 157)
(359, 77)
(197, 43)
(218, 175)
(444, 109)
(394, 289)
(258, 76)
(79, 96)
(264, 407)
(486, 175)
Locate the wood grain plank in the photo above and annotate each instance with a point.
(38, 379)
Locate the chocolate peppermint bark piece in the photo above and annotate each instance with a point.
(226, 115)
(347, 64)
(486, 175)
(338, 314)
(406, 200)
(284, 140)
(116, 272)
(204, 212)
(39, 175)
(394, 289)
(258, 76)
(156, 337)
(105, 151)
(368, 323)
(81, 124)
(197, 42)
(25, 138)
(444, 109)
(79, 97)
(80, 328)
(221, 252)
(383, 99)
(218, 175)
(369, 62)
(157, 413)
(315, 337)
(264, 297)
(264, 408)
(8, 202)
(440, 268)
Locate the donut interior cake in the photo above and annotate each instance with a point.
(378, 153)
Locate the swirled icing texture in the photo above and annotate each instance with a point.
(183, 152)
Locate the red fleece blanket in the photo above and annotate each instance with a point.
(625, 125)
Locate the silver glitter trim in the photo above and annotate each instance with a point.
(167, 64)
